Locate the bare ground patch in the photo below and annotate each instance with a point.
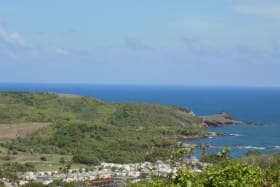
(9, 131)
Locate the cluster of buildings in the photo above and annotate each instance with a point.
(135, 171)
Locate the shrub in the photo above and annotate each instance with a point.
(62, 160)
(43, 158)
(85, 159)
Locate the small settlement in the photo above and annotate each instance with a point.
(109, 172)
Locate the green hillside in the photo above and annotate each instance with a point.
(93, 130)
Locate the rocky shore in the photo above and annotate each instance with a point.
(222, 118)
(215, 120)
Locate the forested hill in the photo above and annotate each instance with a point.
(93, 130)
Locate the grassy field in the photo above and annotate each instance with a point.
(9, 132)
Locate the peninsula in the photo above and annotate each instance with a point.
(92, 131)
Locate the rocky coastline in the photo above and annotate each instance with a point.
(216, 120)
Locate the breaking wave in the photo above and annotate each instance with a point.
(235, 134)
(251, 147)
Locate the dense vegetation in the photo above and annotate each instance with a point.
(225, 172)
(94, 131)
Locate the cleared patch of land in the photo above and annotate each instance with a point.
(51, 161)
(10, 131)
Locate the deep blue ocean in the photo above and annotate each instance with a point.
(260, 105)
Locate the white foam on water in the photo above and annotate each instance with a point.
(277, 147)
(235, 134)
(254, 147)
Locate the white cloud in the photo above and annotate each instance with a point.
(270, 10)
(11, 37)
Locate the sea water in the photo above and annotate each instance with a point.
(257, 105)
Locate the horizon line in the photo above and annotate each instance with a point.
(142, 84)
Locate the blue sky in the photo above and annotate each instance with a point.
(181, 42)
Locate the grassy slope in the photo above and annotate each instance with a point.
(93, 130)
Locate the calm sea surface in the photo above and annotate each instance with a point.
(249, 104)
